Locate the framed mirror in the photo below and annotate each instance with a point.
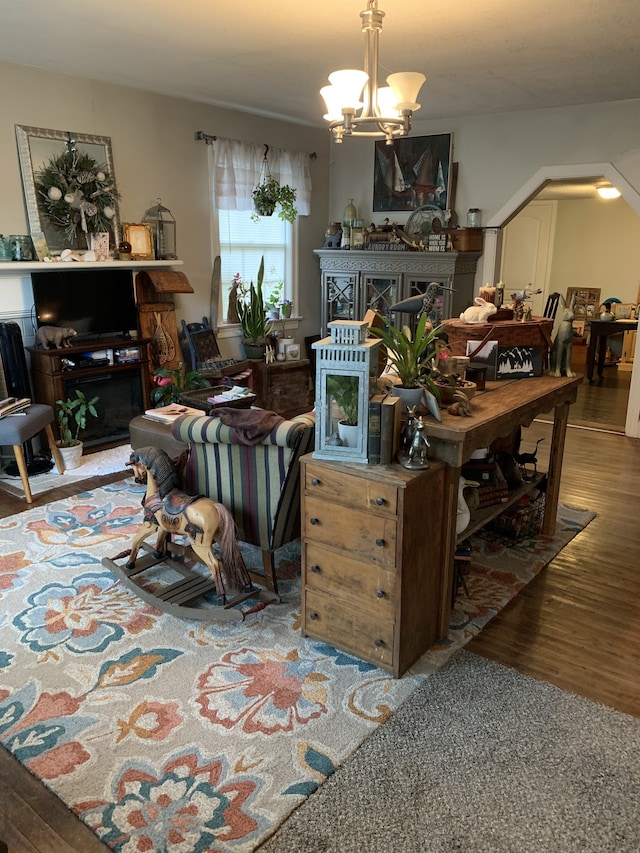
(38, 149)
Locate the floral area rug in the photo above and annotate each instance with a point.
(165, 734)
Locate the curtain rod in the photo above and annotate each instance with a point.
(208, 139)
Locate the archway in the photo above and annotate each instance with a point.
(538, 181)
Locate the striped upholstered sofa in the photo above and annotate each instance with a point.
(259, 484)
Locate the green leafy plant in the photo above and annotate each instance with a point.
(71, 415)
(253, 318)
(273, 298)
(269, 196)
(171, 385)
(410, 355)
(344, 390)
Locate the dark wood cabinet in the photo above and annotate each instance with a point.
(116, 371)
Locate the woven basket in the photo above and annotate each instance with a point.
(508, 333)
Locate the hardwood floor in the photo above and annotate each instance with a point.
(575, 625)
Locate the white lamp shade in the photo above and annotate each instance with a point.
(406, 85)
(349, 83)
(387, 103)
(332, 100)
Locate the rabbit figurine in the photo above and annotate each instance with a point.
(479, 312)
(560, 357)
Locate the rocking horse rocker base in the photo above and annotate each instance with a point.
(203, 522)
(176, 598)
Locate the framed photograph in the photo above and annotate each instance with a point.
(40, 245)
(292, 352)
(100, 245)
(413, 172)
(622, 310)
(587, 304)
(140, 235)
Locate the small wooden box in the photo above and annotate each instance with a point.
(466, 239)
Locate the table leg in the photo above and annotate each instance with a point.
(560, 418)
(591, 355)
(602, 351)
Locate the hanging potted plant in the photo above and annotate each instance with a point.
(71, 415)
(269, 195)
(256, 329)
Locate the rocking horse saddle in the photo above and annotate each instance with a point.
(175, 503)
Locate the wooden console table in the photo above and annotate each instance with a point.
(378, 541)
(497, 412)
(599, 331)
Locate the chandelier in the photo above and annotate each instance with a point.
(384, 112)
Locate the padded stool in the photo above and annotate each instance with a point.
(16, 429)
(144, 432)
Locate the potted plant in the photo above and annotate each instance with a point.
(345, 392)
(171, 385)
(269, 196)
(256, 329)
(71, 415)
(411, 355)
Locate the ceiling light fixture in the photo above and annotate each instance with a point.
(608, 192)
(385, 112)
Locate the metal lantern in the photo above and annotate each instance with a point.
(346, 379)
(164, 231)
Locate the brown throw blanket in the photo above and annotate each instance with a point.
(249, 425)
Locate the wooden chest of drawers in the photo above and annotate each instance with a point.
(372, 558)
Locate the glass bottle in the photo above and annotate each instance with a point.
(350, 213)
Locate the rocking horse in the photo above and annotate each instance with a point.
(204, 522)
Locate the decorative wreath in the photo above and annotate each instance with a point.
(76, 192)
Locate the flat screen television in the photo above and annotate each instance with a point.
(96, 303)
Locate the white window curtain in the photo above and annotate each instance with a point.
(238, 167)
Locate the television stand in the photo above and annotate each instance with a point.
(114, 370)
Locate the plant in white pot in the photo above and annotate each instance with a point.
(71, 415)
(345, 391)
(410, 356)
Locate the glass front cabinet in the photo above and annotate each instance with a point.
(355, 280)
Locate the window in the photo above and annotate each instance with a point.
(243, 242)
(236, 168)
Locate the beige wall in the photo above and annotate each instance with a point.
(597, 244)
(155, 154)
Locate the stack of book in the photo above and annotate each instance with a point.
(235, 393)
(384, 429)
(493, 488)
(14, 406)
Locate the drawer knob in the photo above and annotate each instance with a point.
(379, 501)
(314, 569)
(379, 593)
(315, 481)
(314, 521)
(378, 642)
(313, 615)
(379, 542)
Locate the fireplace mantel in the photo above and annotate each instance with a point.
(13, 267)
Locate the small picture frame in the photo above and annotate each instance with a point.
(100, 245)
(40, 245)
(140, 236)
(292, 352)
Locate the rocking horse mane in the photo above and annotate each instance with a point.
(159, 466)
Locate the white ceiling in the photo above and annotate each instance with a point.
(480, 56)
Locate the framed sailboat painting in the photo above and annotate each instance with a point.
(413, 172)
